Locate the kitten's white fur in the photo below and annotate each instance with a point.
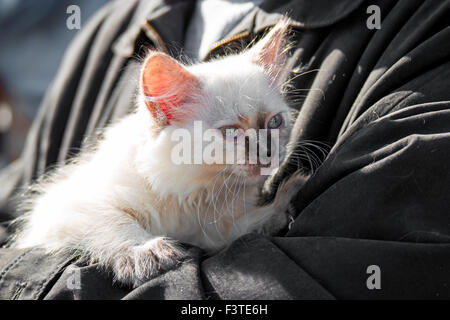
(120, 203)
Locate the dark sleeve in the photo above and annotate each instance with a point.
(387, 176)
(382, 196)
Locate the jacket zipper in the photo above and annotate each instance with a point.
(238, 36)
(154, 34)
(226, 41)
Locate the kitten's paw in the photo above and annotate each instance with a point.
(140, 263)
(288, 189)
(283, 215)
(274, 224)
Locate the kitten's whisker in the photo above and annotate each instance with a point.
(303, 141)
(234, 198)
(294, 92)
(305, 148)
(308, 146)
(214, 180)
(232, 189)
(302, 74)
(216, 220)
(225, 202)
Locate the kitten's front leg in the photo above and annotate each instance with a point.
(277, 212)
(136, 264)
(123, 246)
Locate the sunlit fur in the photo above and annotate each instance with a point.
(118, 203)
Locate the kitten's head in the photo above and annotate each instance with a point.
(224, 119)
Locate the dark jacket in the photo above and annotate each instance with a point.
(379, 98)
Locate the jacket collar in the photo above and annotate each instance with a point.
(164, 21)
(304, 14)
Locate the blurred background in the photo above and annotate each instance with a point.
(33, 38)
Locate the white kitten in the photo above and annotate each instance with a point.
(122, 203)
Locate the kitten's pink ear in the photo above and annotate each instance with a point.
(270, 52)
(166, 86)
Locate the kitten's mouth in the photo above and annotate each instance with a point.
(253, 170)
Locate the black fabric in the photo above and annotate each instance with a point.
(379, 98)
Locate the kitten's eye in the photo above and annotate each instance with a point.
(230, 131)
(275, 122)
